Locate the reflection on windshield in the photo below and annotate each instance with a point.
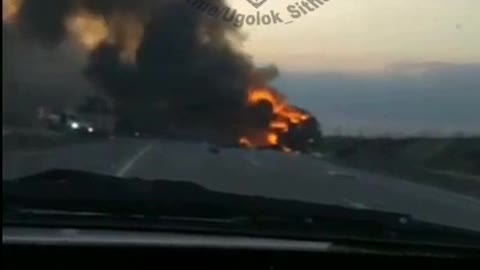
(336, 103)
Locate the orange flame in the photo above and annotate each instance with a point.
(279, 125)
(245, 142)
(88, 29)
(272, 139)
(91, 30)
(286, 116)
(280, 105)
(127, 33)
(11, 8)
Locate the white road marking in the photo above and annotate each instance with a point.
(252, 161)
(340, 174)
(332, 173)
(133, 160)
(355, 204)
(317, 155)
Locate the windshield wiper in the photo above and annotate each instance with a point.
(75, 198)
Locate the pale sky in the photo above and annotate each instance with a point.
(366, 35)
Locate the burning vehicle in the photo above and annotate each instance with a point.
(170, 70)
(282, 126)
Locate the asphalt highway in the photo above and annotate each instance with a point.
(266, 173)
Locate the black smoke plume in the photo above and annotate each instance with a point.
(186, 75)
(186, 69)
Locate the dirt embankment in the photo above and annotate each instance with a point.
(452, 163)
(23, 139)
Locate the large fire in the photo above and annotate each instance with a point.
(285, 113)
(285, 117)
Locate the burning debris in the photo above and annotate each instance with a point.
(170, 70)
(285, 121)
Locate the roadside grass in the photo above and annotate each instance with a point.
(449, 163)
(23, 141)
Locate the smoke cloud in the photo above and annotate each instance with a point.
(34, 76)
(165, 65)
(185, 65)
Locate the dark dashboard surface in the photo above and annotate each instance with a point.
(66, 219)
(58, 248)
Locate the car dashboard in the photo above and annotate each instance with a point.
(59, 247)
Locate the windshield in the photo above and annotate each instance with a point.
(364, 105)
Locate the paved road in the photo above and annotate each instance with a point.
(267, 173)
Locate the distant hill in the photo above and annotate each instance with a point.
(441, 101)
(452, 163)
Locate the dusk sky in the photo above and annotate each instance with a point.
(366, 35)
(377, 67)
